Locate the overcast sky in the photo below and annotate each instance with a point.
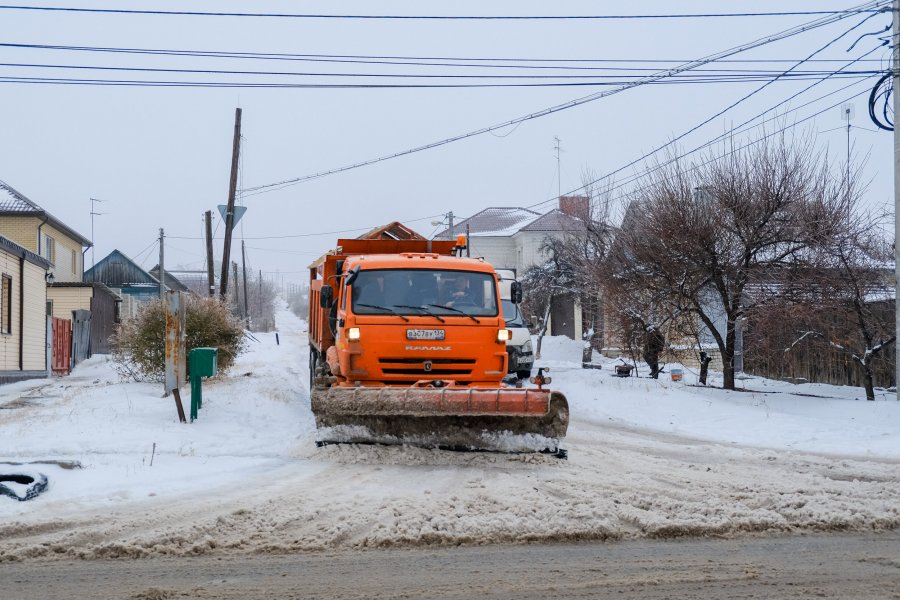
(160, 157)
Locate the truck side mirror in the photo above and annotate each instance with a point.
(515, 292)
(352, 275)
(326, 296)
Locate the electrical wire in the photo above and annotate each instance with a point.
(882, 92)
(700, 74)
(462, 62)
(123, 11)
(721, 137)
(720, 113)
(616, 85)
(571, 104)
(762, 138)
(317, 234)
(140, 257)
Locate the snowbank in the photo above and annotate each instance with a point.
(647, 458)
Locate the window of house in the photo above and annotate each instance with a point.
(49, 308)
(74, 262)
(48, 250)
(6, 305)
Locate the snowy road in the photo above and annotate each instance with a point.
(817, 566)
(647, 459)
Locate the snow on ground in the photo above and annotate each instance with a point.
(646, 458)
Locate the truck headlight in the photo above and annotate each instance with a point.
(503, 335)
(353, 334)
(526, 347)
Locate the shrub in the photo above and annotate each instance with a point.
(139, 342)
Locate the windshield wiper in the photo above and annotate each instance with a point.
(384, 308)
(462, 312)
(423, 309)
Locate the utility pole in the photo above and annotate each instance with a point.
(896, 65)
(210, 268)
(93, 214)
(237, 295)
(162, 264)
(450, 228)
(244, 269)
(229, 213)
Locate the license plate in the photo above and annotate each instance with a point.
(424, 334)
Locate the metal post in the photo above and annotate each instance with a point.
(162, 264)
(93, 214)
(450, 228)
(896, 66)
(237, 295)
(210, 273)
(244, 270)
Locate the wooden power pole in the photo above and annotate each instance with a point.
(229, 212)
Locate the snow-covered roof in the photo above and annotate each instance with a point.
(14, 202)
(493, 221)
(555, 220)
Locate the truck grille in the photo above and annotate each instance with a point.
(416, 366)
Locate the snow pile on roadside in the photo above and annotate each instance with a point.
(646, 458)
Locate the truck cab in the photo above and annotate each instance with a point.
(399, 319)
(518, 347)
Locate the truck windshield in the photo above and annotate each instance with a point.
(511, 314)
(408, 291)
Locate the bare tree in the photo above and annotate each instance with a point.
(841, 305)
(702, 235)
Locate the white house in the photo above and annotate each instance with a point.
(511, 238)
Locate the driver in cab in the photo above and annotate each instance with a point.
(461, 293)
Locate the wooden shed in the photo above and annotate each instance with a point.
(125, 277)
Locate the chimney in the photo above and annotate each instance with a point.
(576, 206)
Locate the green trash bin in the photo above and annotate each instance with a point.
(202, 362)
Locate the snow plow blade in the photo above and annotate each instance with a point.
(459, 418)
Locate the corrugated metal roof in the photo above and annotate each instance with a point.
(14, 202)
(495, 220)
(11, 200)
(555, 220)
(172, 282)
(117, 270)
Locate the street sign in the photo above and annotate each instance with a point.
(238, 213)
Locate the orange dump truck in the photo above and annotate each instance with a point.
(408, 346)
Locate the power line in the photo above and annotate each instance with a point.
(700, 74)
(616, 85)
(763, 138)
(317, 234)
(444, 61)
(571, 104)
(122, 11)
(734, 104)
